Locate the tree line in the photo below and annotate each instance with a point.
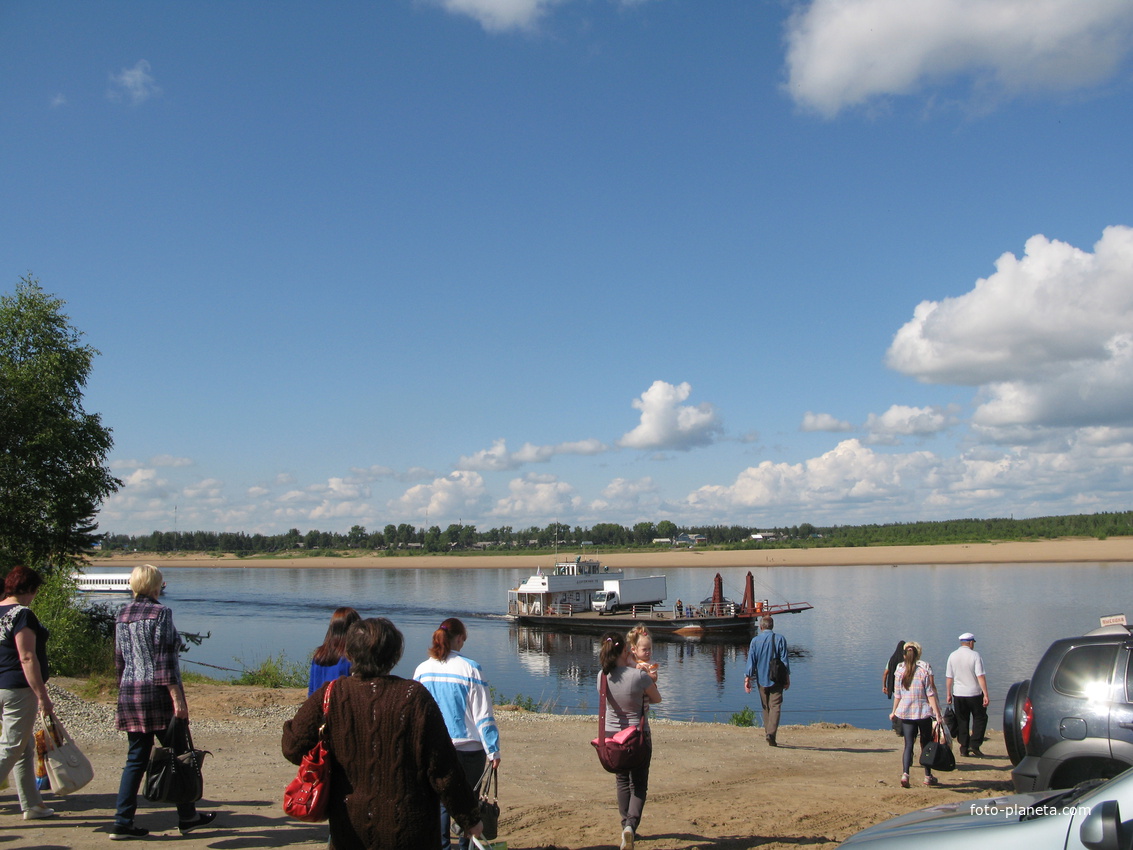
(462, 537)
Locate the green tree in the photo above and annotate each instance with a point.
(356, 538)
(643, 533)
(667, 528)
(53, 476)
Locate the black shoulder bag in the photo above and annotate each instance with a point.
(174, 772)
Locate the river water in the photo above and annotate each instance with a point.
(838, 649)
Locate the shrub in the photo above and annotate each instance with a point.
(743, 718)
(82, 640)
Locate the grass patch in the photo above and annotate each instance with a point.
(275, 671)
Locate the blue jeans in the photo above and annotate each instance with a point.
(473, 763)
(137, 759)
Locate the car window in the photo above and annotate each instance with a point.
(1086, 670)
(1129, 677)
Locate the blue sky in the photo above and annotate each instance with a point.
(509, 262)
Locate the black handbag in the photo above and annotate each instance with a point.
(937, 754)
(174, 772)
(489, 788)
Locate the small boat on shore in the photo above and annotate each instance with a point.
(563, 600)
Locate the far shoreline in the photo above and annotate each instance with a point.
(1066, 550)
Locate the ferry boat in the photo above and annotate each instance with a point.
(562, 599)
(104, 582)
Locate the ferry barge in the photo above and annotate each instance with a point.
(563, 598)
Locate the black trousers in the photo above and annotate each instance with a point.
(970, 710)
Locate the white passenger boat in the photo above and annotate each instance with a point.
(104, 582)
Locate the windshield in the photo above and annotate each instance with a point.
(1062, 799)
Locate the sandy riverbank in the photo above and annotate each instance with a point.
(711, 786)
(1077, 550)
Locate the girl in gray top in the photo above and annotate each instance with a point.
(629, 691)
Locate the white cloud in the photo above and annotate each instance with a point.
(458, 494)
(843, 53)
(666, 423)
(58, 101)
(134, 84)
(850, 472)
(1049, 337)
(499, 15)
(823, 422)
(154, 462)
(499, 458)
(624, 496)
(536, 498)
(209, 491)
(144, 483)
(1087, 470)
(903, 421)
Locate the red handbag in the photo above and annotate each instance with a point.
(626, 750)
(306, 795)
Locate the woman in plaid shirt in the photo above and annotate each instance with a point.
(915, 702)
(150, 695)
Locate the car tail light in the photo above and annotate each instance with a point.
(1025, 722)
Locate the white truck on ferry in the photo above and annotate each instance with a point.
(625, 593)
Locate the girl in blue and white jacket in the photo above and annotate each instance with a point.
(457, 684)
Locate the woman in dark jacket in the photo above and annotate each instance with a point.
(149, 696)
(384, 795)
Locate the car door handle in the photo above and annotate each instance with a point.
(1126, 725)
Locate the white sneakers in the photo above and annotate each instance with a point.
(627, 838)
(38, 812)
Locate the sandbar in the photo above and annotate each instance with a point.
(1063, 550)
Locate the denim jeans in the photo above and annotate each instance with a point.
(137, 759)
(18, 707)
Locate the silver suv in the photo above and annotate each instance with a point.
(1073, 719)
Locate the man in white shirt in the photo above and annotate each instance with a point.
(967, 693)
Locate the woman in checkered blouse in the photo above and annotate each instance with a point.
(150, 695)
(915, 703)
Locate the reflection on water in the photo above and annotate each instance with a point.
(838, 649)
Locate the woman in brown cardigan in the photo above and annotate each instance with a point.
(393, 762)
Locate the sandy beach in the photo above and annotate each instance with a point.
(1077, 550)
(711, 786)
